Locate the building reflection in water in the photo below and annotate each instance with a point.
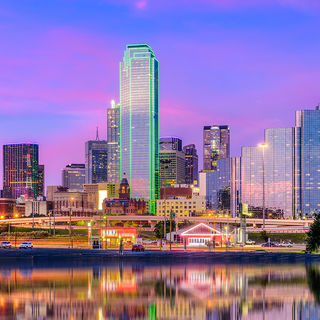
(162, 292)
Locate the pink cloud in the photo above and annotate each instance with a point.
(222, 4)
(141, 4)
(70, 69)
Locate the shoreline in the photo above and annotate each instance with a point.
(75, 258)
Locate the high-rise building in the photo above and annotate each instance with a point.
(113, 138)
(41, 180)
(215, 185)
(191, 164)
(74, 176)
(235, 185)
(139, 122)
(278, 172)
(170, 143)
(20, 170)
(172, 168)
(307, 162)
(96, 160)
(216, 145)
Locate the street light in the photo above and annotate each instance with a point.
(166, 163)
(70, 227)
(263, 146)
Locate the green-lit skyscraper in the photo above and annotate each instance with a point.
(139, 121)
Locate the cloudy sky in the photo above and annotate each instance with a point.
(249, 64)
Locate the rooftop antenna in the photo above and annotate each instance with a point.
(97, 134)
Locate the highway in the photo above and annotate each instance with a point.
(254, 222)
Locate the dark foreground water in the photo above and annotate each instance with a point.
(162, 292)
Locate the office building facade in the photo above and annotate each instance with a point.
(20, 170)
(170, 143)
(41, 180)
(278, 171)
(191, 164)
(307, 162)
(74, 176)
(113, 139)
(172, 168)
(96, 161)
(235, 185)
(139, 122)
(215, 185)
(216, 145)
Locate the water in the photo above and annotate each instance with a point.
(162, 292)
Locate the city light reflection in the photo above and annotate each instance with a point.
(165, 292)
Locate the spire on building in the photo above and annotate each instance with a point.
(97, 134)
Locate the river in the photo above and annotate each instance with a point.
(193, 291)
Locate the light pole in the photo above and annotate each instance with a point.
(70, 227)
(263, 146)
(165, 163)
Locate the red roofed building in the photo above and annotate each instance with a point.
(201, 234)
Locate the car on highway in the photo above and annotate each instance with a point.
(250, 243)
(149, 241)
(286, 244)
(270, 245)
(26, 245)
(137, 248)
(5, 245)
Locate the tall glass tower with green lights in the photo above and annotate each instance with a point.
(139, 122)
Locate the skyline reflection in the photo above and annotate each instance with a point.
(162, 292)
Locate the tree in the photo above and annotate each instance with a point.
(313, 235)
(158, 229)
(264, 235)
(313, 279)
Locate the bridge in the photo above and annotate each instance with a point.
(151, 219)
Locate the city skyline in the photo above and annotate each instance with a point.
(58, 101)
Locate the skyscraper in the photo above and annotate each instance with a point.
(73, 176)
(96, 160)
(113, 138)
(20, 170)
(215, 185)
(139, 121)
(172, 168)
(191, 164)
(278, 171)
(235, 185)
(170, 143)
(216, 145)
(41, 180)
(307, 161)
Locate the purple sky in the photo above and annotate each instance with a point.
(249, 64)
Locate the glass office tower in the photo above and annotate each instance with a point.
(139, 121)
(96, 161)
(113, 138)
(191, 157)
(216, 145)
(215, 185)
(20, 170)
(235, 185)
(170, 143)
(279, 157)
(307, 166)
(74, 176)
(278, 172)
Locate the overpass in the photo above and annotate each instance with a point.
(151, 219)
